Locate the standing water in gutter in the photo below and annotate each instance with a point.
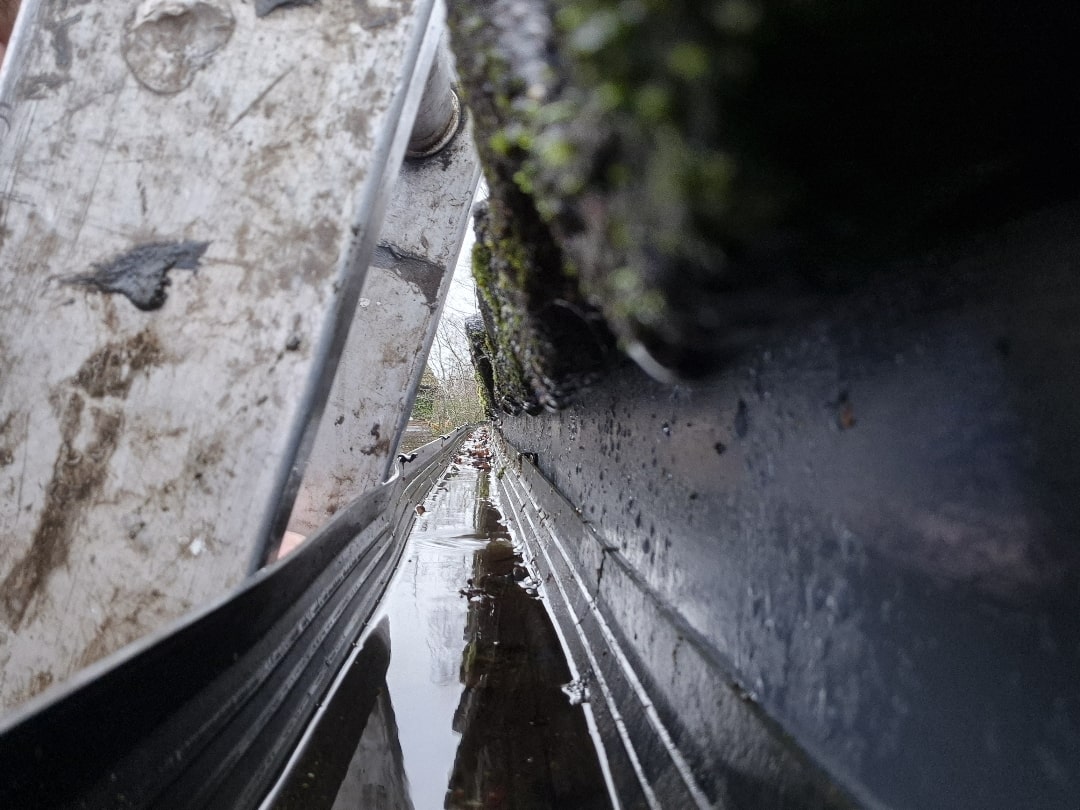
(470, 710)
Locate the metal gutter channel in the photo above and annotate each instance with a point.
(206, 714)
(657, 753)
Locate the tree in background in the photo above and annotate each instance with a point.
(426, 393)
(447, 396)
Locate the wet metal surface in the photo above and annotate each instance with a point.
(471, 710)
(868, 522)
(718, 740)
(395, 322)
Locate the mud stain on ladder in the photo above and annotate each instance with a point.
(81, 467)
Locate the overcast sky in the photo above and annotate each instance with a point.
(461, 300)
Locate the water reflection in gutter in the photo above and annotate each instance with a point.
(523, 745)
(439, 726)
(353, 758)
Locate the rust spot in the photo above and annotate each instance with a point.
(98, 647)
(77, 476)
(110, 371)
(39, 682)
(845, 417)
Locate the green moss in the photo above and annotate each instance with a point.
(688, 61)
(645, 158)
(527, 284)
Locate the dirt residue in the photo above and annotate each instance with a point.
(122, 625)
(142, 273)
(98, 647)
(342, 491)
(372, 18)
(7, 454)
(77, 477)
(381, 445)
(38, 683)
(110, 371)
(426, 276)
(205, 466)
(210, 454)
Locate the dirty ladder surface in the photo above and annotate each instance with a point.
(461, 697)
